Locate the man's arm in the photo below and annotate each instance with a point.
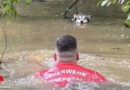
(40, 74)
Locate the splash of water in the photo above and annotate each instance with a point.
(19, 72)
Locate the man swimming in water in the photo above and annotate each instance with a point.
(67, 69)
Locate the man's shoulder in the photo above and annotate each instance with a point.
(98, 77)
(86, 69)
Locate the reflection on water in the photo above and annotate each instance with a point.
(99, 37)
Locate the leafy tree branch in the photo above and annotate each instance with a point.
(7, 7)
(125, 6)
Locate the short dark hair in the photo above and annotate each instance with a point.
(66, 43)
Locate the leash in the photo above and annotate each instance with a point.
(69, 9)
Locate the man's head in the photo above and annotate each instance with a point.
(66, 49)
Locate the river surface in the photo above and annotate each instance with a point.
(104, 46)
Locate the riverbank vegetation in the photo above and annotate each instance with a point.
(125, 6)
(7, 7)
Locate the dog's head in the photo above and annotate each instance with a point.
(81, 18)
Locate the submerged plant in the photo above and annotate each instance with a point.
(125, 6)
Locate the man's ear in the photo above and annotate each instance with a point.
(77, 56)
(55, 57)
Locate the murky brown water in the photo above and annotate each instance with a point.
(104, 46)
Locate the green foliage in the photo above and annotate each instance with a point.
(128, 20)
(7, 7)
(28, 1)
(125, 5)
